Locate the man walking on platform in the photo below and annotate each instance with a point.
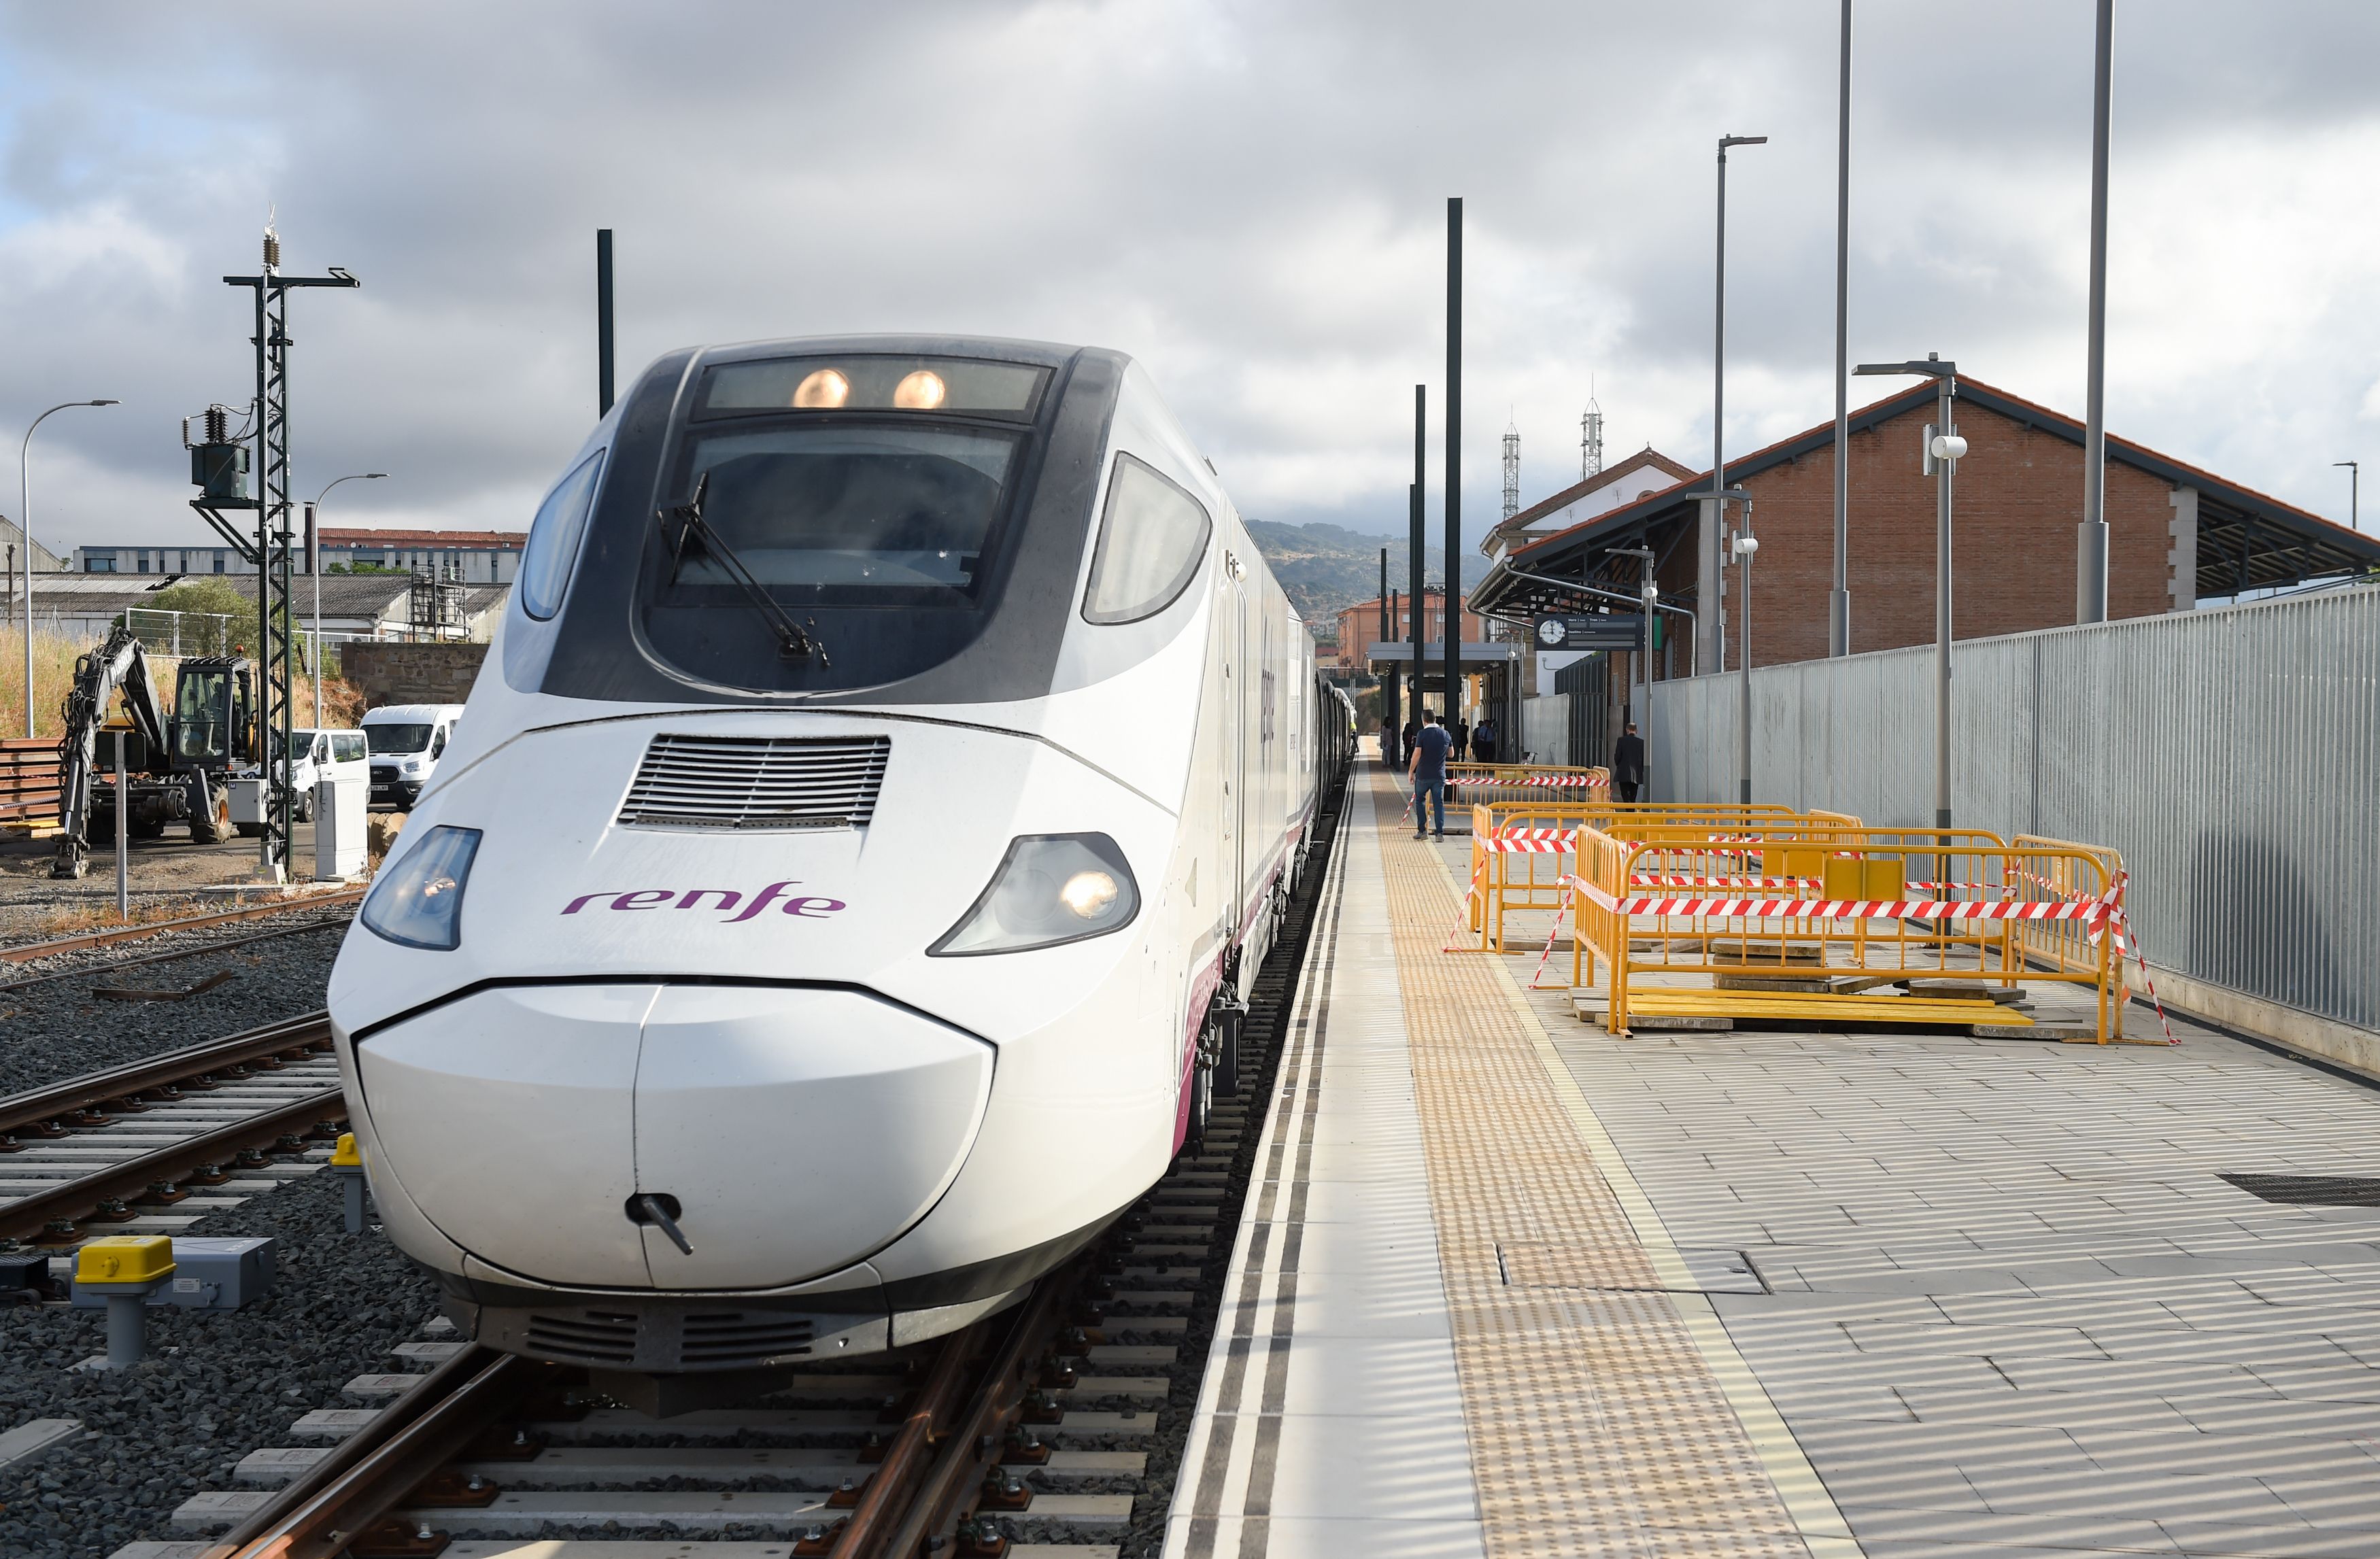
(1628, 764)
(1483, 742)
(1428, 772)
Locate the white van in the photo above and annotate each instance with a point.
(407, 741)
(323, 754)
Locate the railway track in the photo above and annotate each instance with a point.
(149, 1146)
(25, 952)
(1031, 1432)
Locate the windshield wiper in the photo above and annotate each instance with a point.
(694, 531)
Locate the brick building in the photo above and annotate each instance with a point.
(1359, 627)
(2177, 535)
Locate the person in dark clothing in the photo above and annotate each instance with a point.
(1461, 734)
(1406, 748)
(1483, 742)
(1428, 773)
(1628, 764)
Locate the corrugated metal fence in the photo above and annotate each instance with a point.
(2233, 755)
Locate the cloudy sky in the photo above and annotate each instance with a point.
(1249, 197)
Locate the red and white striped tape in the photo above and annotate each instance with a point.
(1529, 841)
(2089, 911)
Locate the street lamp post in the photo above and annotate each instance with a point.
(1718, 521)
(1942, 453)
(25, 523)
(2354, 481)
(314, 534)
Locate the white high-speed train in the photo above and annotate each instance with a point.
(888, 776)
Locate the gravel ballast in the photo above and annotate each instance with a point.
(58, 1029)
(215, 1387)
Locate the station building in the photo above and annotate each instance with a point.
(2178, 536)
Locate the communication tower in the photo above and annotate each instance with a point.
(1590, 439)
(1511, 470)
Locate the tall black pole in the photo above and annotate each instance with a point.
(1453, 457)
(1416, 598)
(603, 320)
(1392, 711)
(1839, 613)
(2091, 535)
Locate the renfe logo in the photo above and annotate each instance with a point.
(692, 898)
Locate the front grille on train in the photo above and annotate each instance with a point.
(589, 1337)
(757, 783)
(738, 1337)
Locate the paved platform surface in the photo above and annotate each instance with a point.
(1511, 1285)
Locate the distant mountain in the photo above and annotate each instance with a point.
(1326, 568)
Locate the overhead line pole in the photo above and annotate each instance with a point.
(1453, 457)
(603, 321)
(1839, 605)
(274, 628)
(1416, 601)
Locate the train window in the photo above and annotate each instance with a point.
(866, 383)
(854, 512)
(553, 538)
(889, 532)
(1151, 542)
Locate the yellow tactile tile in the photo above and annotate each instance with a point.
(1597, 1427)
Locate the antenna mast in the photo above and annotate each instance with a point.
(1511, 469)
(1590, 438)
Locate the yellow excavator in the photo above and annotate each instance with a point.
(177, 765)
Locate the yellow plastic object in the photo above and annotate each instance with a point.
(1875, 878)
(125, 1258)
(345, 1155)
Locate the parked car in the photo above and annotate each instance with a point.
(407, 741)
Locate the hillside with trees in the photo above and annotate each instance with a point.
(1326, 568)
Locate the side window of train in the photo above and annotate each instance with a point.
(1151, 541)
(553, 538)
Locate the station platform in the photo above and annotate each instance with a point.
(1509, 1284)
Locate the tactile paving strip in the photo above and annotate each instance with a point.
(1597, 1428)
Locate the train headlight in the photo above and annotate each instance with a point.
(1049, 888)
(418, 902)
(922, 391)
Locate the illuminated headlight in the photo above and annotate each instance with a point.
(1049, 888)
(418, 902)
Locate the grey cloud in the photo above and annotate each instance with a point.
(1247, 196)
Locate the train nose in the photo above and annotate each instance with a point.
(679, 1137)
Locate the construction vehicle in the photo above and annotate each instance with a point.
(177, 765)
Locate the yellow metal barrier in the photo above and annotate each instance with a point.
(1823, 921)
(1521, 853)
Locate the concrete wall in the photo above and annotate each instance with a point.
(1545, 729)
(2232, 755)
(412, 673)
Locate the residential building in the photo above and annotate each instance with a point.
(1359, 627)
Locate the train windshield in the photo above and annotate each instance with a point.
(810, 553)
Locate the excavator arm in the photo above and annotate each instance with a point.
(119, 665)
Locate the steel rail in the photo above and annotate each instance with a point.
(120, 1084)
(861, 1536)
(976, 1445)
(340, 1497)
(325, 923)
(77, 1199)
(28, 951)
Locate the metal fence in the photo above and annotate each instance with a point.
(2232, 755)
